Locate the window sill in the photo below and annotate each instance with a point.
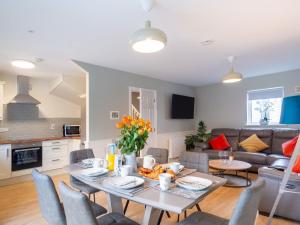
(270, 125)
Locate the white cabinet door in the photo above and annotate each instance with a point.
(5, 161)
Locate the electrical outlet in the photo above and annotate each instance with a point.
(52, 126)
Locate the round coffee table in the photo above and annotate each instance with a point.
(233, 180)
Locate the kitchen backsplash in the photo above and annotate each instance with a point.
(38, 128)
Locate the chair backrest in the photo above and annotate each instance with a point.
(195, 160)
(246, 209)
(50, 205)
(79, 155)
(161, 155)
(77, 208)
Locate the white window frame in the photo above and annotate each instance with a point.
(249, 105)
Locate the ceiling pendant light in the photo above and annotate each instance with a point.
(232, 76)
(148, 39)
(23, 64)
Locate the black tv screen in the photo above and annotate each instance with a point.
(182, 107)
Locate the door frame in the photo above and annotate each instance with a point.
(137, 89)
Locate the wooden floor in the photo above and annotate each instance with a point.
(19, 205)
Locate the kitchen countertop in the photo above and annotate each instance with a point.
(24, 141)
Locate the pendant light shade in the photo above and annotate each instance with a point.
(232, 76)
(148, 39)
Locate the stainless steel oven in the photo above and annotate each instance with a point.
(71, 130)
(26, 156)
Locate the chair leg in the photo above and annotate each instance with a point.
(178, 218)
(168, 214)
(198, 207)
(160, 217)
(94, 197)
(185, 214)
(126, 206)
(89, 196)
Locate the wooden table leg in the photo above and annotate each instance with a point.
(151, 216)
(114, 203)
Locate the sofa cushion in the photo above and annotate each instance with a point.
(264, 134)
(274, 157)
(280, 136)
(219, 143)
(253, 144)
(251, 157)
(232, 136)
(289, 146)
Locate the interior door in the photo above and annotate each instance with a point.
(149, 112)
(5, 161)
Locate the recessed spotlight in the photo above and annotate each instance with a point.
(207, 42)
(23, 64)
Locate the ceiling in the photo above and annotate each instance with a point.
(263, 34)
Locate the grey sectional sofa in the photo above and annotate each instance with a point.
(272, 137)
(269, 163)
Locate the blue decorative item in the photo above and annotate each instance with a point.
(290, 110)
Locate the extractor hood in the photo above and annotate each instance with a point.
(23, 96)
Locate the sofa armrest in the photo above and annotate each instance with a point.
(275, 174)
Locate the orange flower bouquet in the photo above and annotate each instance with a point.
(134, 134)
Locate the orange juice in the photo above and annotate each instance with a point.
(111, 161)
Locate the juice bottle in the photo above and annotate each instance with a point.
(111, 157)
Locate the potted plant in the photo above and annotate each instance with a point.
(201, 136)
(134, 135)
(264, 110)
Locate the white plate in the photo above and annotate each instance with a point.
(94, 172)
(193, 183)
(127, 182)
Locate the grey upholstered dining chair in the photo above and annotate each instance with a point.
(194, 160)
(51, 208)
(79, 212)
(78, 156)
(244, 212)
(161, 155)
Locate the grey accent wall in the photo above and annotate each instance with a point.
(225, 105)
(108, 90)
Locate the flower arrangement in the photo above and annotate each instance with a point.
(134, 134)
(264, 109)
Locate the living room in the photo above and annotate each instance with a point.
(194, 105)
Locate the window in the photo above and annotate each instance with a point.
(264, 104)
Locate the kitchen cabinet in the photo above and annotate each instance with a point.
(55, 154)
(5, 161)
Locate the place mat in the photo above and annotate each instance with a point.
(131, 192)
(176, 190)
(185, 172)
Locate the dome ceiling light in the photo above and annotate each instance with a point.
(148, 39)
(232, 76)
(23, 64)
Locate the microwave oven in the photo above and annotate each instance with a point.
(71, 130)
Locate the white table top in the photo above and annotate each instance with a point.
(154, 197)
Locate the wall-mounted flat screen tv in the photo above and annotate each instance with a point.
(182, 107)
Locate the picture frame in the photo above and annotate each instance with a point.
(114, 115)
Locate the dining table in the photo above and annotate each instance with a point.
(149, 194)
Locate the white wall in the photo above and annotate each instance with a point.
(225, 105)
(50, 107)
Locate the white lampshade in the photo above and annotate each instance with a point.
(148, 39)
(232, 77)
(23, 64)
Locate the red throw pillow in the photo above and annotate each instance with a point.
(296, 167)
(289, 146)
(219, 143)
